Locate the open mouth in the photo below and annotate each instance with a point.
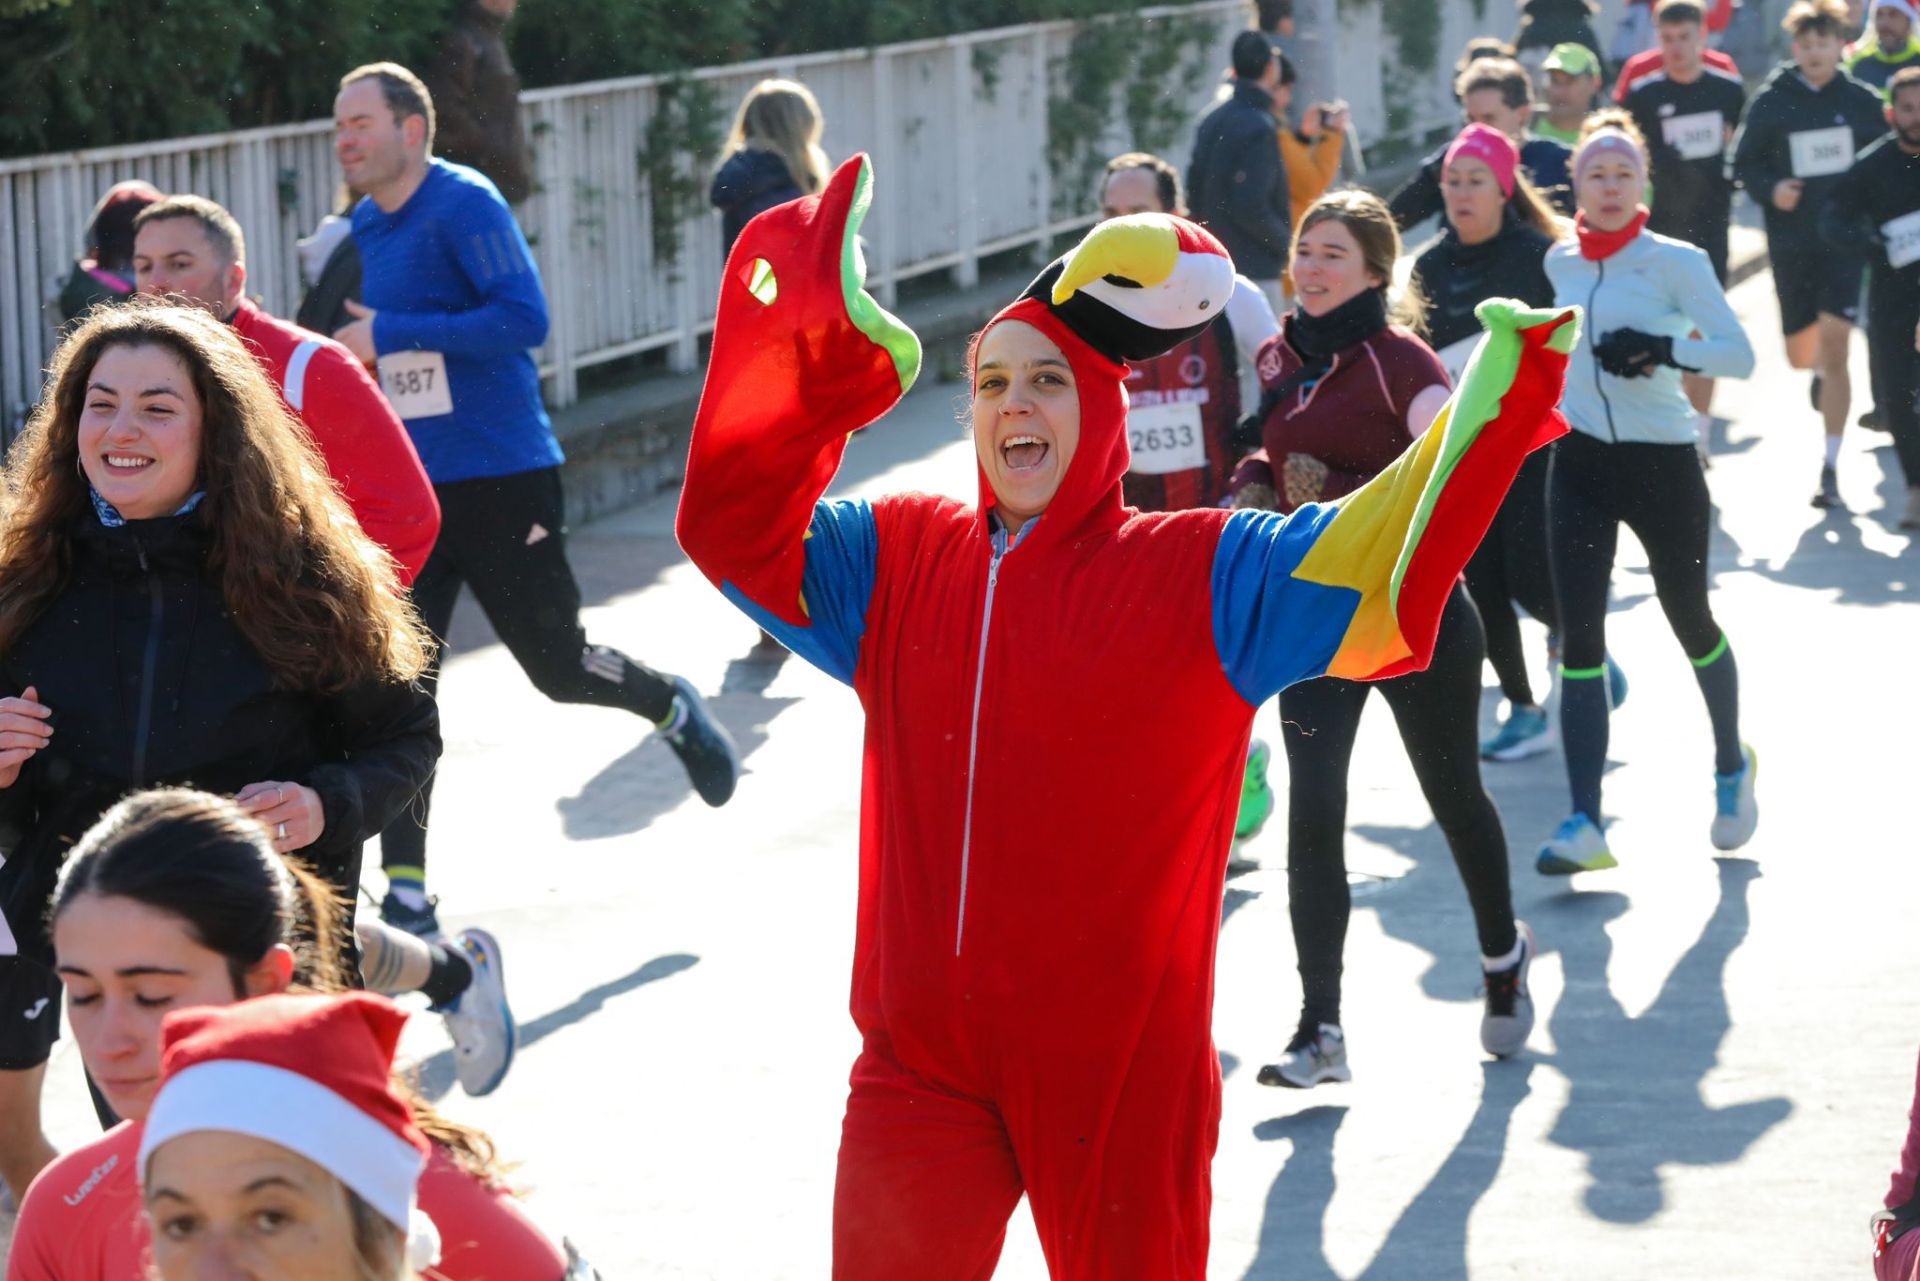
(1023, 453)
(124, 464)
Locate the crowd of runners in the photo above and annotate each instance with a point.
(1241, 435)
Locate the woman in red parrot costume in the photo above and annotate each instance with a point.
(1033, 979)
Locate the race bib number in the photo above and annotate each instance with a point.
(1820, 152)
(1454, 357)
(416, 383)
(1166, 438)
(1700, 136)
(1903, 240)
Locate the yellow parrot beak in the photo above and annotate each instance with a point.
(1142, 248)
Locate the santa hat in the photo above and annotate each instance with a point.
(1136, 286)
(310, 1073)
(1899, 6)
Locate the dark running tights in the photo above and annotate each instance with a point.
(1511, 568)
(1660, 493)
(1438, 714)
(1893, 308)
(505, 537)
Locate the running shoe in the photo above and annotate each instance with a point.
(1827, 497)
(1873, 420)
(1508, 1021)
(1256, 794)
(1616, 684)
(1317, 1053)
(421, 922)
(481, 1022)
(1736, 813)
(703, 745)
(1526, 732)
(1910, 519)
(1575, 846)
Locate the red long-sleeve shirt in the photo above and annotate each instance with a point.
(361, 439)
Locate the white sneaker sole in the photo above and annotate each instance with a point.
(490, 988)
(1539, 745)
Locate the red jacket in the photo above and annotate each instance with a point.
(1643, 64)
(361, 439)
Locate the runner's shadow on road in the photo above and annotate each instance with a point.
(635, 789)
(1429, 1239)
(1634, 1103)
(1831, 556)
(434, 1076)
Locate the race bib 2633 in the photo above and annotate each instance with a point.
(1166, 438)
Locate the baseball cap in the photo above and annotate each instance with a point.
(1574, 59)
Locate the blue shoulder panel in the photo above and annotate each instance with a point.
(1271, 628)
(843, 547)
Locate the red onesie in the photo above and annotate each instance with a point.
(1033, 974)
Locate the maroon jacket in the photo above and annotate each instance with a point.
(1354, 419)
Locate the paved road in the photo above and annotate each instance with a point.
(1726, 1049)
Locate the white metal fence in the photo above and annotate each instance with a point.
(958, 128)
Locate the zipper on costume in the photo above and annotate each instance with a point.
(149, 669)
(973, 745)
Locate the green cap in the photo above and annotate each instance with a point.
(1574, 59)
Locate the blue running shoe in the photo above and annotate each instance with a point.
(1736, 813)
(703, 745)
(1616, 683)
(1526, 732)
(1575, 846)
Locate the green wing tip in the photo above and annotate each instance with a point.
(1508, 315)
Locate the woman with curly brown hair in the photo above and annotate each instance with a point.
(184, 597)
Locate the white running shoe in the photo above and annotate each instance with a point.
(1736, 813)
(1315, 1054)
(1508, 1020)
(1575, 846)
(481, 1022)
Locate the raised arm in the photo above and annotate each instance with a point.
(802, 357)
(1354, 588)
(1722, 350)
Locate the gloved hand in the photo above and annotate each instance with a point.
(1629, 353)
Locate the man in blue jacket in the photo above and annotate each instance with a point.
(1237, 185)
(452, 305)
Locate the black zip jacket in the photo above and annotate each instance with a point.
(1865, 209)
(749, 183)
(1456, 278)
(1237, 185)
(1763, 150)
(151, 682)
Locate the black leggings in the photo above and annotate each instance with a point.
(1659, 492)
(1511, 567)
(1893, 308)
(505, 537)
(1437, 711)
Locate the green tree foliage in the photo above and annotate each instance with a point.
(82, 73)
(95, 72)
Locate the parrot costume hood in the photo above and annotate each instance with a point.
(1056, 725)
(1136, 287)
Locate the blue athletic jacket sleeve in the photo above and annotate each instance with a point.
(843, 545)
(1271, 628)
(488, 249)
(1722, 350)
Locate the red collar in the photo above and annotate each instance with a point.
(1595, 245)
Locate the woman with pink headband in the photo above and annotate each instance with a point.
(1630, 459)
(1494, 245)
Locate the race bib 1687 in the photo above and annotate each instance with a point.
(416, 383)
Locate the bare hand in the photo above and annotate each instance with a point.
(1304, 479)
(1338, 115)
(1311, 123)
(357, 335)
(23, 731)
(291, 813)
(1787, 193)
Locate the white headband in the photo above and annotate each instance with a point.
(1609, 142)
